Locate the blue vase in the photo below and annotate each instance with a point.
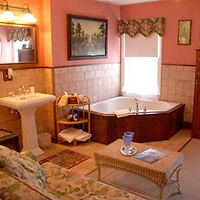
(128, 137)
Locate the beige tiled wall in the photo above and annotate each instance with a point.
(178, 86)
(49, 83)
(97, 81)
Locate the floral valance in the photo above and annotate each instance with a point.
(143, 26)
(19, 34)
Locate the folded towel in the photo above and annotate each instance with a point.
(83, 136)
(69, 134)
(63, 101)
(122, 113)
(80, 98)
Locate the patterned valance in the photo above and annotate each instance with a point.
(19, 34)
(143, 26)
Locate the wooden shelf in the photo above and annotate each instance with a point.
(74, 108)
(66, 121)
(78, 105)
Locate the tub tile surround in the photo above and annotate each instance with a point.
(49, 83)
(99, 82)
(178, 86)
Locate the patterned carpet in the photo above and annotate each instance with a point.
(66, 158)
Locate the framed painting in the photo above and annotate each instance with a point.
(184, 32)
(87, 37)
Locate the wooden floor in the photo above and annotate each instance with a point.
(87, 148)
(173, 144)
(189, 175)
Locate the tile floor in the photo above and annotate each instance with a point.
(87, 148)
(175, 144)
(189, 175)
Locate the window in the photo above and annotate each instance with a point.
(141, 66)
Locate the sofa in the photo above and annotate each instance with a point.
(22, 178)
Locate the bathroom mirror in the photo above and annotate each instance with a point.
(17, 44)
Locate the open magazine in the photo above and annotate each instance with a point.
(151, 155)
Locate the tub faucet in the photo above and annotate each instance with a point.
(137, 105)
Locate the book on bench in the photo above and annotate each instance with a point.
(151, 155)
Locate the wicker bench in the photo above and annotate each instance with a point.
(153, 181)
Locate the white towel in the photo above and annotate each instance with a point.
(83, 136)
(63, 101)
(69, 134)
(122, 113)
(80, 98)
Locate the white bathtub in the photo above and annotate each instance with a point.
(108, 107)
(160, 122)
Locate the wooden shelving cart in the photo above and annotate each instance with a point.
(79, 108)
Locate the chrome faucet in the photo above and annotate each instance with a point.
(137, 105)
(22, 91)
(12, 94)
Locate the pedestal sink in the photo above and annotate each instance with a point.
(27, 106)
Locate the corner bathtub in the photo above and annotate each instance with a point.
(160, 122)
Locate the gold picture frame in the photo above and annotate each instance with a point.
(34, 37)
(184, 32)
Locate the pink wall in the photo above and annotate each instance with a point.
(172, 10)
(7, 47)
(91, 8)
(46, 29)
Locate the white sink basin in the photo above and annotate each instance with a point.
(31, 100)
(27, 107)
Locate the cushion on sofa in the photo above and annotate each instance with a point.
(12, 189)
(30, 155)
(22, 167)
(69, 185)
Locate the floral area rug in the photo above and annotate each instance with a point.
(66, 158)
